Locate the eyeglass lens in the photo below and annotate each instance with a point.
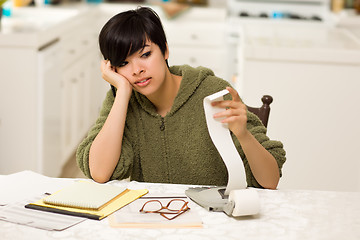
(152, 206)
(176, 205)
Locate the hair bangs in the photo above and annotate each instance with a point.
(135, 42)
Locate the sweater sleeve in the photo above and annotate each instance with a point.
(124, 165)
(258, 130)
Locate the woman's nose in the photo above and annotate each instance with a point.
(137, 69)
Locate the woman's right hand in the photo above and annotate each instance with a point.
(110, 75)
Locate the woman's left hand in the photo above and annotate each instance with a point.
(234, 115)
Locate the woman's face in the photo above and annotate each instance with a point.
(145, 69)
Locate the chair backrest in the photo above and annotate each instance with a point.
(263, 112)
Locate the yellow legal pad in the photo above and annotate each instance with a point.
(127, 196)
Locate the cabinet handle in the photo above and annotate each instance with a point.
(194, 37)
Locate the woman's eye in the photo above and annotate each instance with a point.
(147, 54)
(123, 64)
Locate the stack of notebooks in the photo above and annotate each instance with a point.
(88, 199)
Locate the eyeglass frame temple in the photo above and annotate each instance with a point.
(178, 214)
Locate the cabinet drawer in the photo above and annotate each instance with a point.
(88, 39)
(214, 59)
(77, 43)
(70, 49)
(199, 34)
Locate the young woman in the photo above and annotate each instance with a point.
(152, 124)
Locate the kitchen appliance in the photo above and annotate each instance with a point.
(269, 14)
(303, 10)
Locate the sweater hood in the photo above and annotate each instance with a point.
(191, 79)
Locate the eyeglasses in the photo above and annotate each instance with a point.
(175, 206)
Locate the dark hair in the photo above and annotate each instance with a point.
(127, 32)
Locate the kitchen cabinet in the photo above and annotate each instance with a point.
(313, 76)
(19, 125)
(197, 38)
(46, 85)
(30, 125)
(79, 57)
(73, 97)
(48, 105)
(81, 101)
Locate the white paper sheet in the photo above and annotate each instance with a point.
(220, 135)
(17, 213)
(19, 186)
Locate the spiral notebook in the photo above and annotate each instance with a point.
(88, 199)
(85, 195)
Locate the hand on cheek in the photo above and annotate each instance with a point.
(110, 75)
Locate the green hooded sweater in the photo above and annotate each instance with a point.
(176, 148)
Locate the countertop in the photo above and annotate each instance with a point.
(34, 27)
(336, 45)
(336, 41)
(348, 18)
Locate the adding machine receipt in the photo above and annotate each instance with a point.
(235, 200)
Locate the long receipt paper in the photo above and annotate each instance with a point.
(246, 200)
(220, 135)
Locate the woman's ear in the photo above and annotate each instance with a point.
(166, 52)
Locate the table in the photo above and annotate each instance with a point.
(285, 214)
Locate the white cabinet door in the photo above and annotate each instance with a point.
(50, 110)
(98, 87)
(198, 42)
(72, 108)
(69, 79)
(79, 107)
(315, 115)
(18, 111)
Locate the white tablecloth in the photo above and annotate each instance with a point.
(295, 214)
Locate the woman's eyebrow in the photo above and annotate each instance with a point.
(142, 49)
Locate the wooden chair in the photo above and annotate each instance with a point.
(263, 112)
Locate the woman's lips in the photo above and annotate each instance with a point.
(143, 82)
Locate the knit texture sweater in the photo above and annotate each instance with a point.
(176, 148)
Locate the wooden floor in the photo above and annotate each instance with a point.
(71, 170)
